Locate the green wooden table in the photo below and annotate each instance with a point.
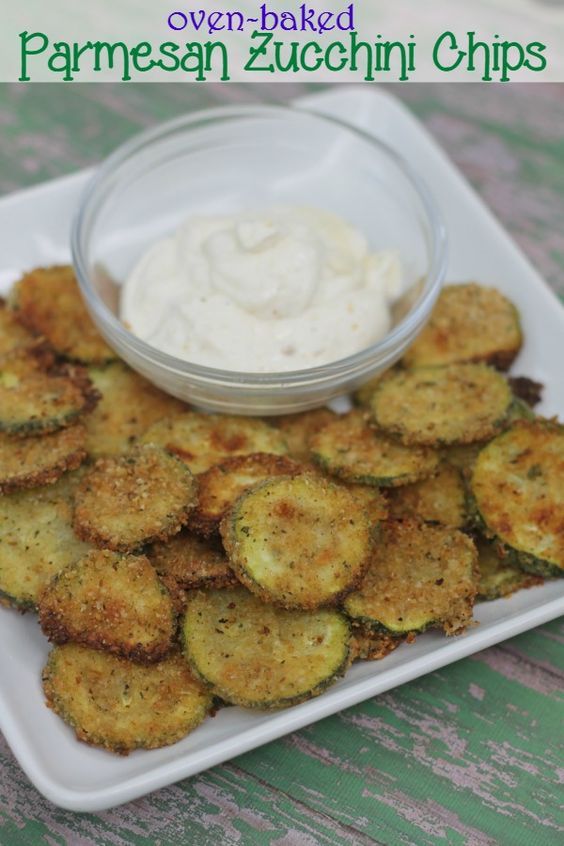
(467, 755)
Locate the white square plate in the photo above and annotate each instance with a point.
(35, 230)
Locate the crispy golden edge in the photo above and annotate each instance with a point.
(481, 429)
(232, 544)
(96, 482)
(67, 445)
(393, 533)
(81, 396)
(206, 516)
(354, 428)
(459, 308)
(47, 301)
(59, 628)
(58, 697)
(368, 645)
(273, 703)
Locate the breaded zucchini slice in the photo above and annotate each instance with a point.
(438, 406)
(470, 323)
(129, 405)
(299, 428)
(499, 574)
(40, 460)
(35, 399)
(119, 705)
(419, 576)
(260, 656)
(439, 499)
(352, 450)
(36, 540)
(112, 602)
(13, 335)
(299, 542)
(48, 302)
(123, 503)
(518, 488)
(186, 562)
(221, 485)
(370, 645)
(202, 440)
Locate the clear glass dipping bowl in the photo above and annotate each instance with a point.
(227, 159)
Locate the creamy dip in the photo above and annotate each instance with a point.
(274, 290)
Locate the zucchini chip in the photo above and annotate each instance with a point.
(30, 462)
(299, 542)
(470, 323)
(499, 575)
(518, 488)
(368, 645)
(299, 428)
(129, 405)
(34, 399)
(202, 440)
(36, 540)
(438, 406)
(121, 706)
(420, 576)
(220, 486)
(123, 503)
(111, 602)
(48, 302)
(351, 449)
(13, 335)
(440, 499)
(186, 562)
(259, 656)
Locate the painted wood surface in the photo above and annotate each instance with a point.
(470, 755)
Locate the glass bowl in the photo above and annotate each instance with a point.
(227, 159)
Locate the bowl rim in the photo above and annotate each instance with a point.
(333, 370)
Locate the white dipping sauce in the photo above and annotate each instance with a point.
(275, 290)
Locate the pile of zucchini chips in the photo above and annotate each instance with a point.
(179, 561)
